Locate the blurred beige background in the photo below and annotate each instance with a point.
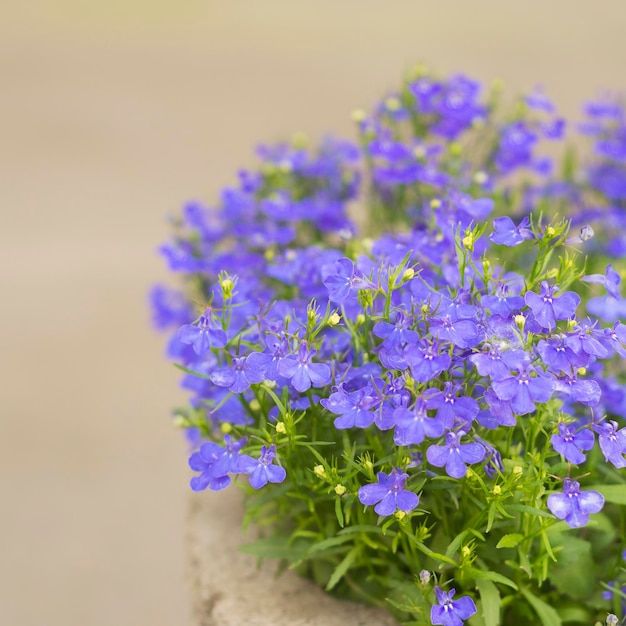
(112, 113)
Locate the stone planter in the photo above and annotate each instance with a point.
(229, 590)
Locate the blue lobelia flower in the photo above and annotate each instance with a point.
(413, 425)
(612, 442)
(548, 308)
(522, 390)
(355, 408)
(450, 408)
(454, 455)
(449, 612)
(302, 372)
(343, 279)
(237, 377)
(570, 443)
(507, 234)
(262, 470)
(215, 462)
(574, 505)
(205, 335)
(389, 493)
(426, 361)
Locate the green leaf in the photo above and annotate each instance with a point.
(615, 494)
(329, 543)
(510, 541)
(342, 568)
(523, 508)
(276, 548)
(490, 598)
(547, 615)
(428, 552)
(339, 512)
(455, 544)
(494, 576)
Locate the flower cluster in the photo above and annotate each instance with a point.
(437, 382)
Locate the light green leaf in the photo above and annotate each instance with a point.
(547, 615)
(276, 548)
(339, 512)
(331, 542)
(510, 541)
(342, 568)
(494, 576)
(490, 598)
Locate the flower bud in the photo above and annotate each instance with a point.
(280, 428)
(468, 242)
(334, 319)
(226, 427)
(399, 515)
(255, 405)
(424, 577)
(408, 273)
(497, 490)
(520, 320)
(340, 490)
(227, 287)
(319, 471)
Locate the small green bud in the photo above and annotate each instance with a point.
(399, 515)
(520, 320)
(255, 405)
(226, 427)
(408, 273)
(340, 490)
(280, 428)
(424, 577)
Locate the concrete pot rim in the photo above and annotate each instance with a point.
(228, 589)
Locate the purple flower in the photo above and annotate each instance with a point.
(547, 308)
(559, 356)
(452, 408)
(615, 337)
(214, 462)
(302, 372)
(586, 392)
(261, 470)
(507, 234)
(396, 335)
(425, 360)
(502, 303)
(570, 443)
(389, 493)
(522, 390)
(612, 442)
(205, 335)
(454, 455)
(574, 505)
(343, 280)
(237, 377)
(414, 425)
(356, 408)
(449, 612)
(492, 362)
